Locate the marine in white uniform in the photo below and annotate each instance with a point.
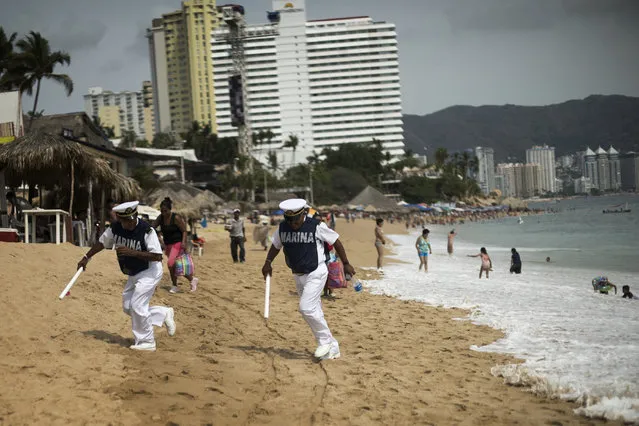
(140, 257)
(302, 239)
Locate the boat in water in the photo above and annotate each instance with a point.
(619, 208)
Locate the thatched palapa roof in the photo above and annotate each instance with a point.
(187, 200)
(45, 159)
(372, 197)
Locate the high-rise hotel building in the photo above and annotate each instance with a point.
(328, 82)
(181, 67)
(545, 157)
(124, 111)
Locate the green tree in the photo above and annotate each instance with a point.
(35, 62)
(272, 161)
(292, 142)
(364, 158)
(142, 143)
(441, 156)
(163, 140)
(418, 189)
(146, 178)
(129, 139)
(6, 57)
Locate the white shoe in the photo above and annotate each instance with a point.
(333, 353)
(194, 282)
(380, 270)
(169, 321)
(174, 290)
(144, 346)
(322, 350)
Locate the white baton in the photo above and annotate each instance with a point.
(267, 295)
(73, 280)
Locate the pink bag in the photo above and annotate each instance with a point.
(336, 277)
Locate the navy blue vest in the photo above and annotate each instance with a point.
(133, 240)
(300, 247)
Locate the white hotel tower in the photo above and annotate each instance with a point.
(328, 82)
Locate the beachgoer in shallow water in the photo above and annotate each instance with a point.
(515, 262)
(380, 242)
(486, 262)
(626, 292)
(548, 259)
(451, 238)
(603, 285)
(423, 249)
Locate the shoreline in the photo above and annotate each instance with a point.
(402, 362)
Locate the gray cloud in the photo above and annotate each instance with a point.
(472, 52)
(75, 33)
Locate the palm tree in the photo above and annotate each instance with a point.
(441, 155)
(129, 139)
(292, 142)
(272, 161)
(6, 53)
(35, 61)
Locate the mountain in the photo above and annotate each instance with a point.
(511, 129)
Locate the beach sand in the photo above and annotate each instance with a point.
(68, 362)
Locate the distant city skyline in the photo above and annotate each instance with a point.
(452, 52)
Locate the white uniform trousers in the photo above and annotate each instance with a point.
(135, 302)
(309, 288)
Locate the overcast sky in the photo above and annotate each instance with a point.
(471, 52)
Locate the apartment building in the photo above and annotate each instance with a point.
(181, 66)
(327, 82)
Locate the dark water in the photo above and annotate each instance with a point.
(578, 236)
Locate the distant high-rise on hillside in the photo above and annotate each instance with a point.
(545, 157)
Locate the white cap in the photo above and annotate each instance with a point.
(293, 207)
(127, 209)
(236, 211)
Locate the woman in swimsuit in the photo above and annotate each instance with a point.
(423, 249)
(486, 263)
(380, 242)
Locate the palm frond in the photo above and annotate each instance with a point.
(64, 80)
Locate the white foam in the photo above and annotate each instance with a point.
(576, 344)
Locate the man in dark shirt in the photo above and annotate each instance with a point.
(515, 262)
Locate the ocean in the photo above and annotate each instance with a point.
(576, 344)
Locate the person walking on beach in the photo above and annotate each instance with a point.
(451, 239)
(303, 239)
(173, 230)
(486, 263)
(423, 249)
(238, 238)
(515, 262)
(380, 242)
(140, 257)
(260, 234)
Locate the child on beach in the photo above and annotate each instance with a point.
(451, 239)
(423, 248)
(486, 263)
(626, 292)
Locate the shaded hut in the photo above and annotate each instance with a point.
(49, 160)
(372, 197)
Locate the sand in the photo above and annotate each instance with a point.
(68, 362)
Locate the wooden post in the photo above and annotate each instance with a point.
(90, 227)
(102, 211)
(4, 214)
(72, 188)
